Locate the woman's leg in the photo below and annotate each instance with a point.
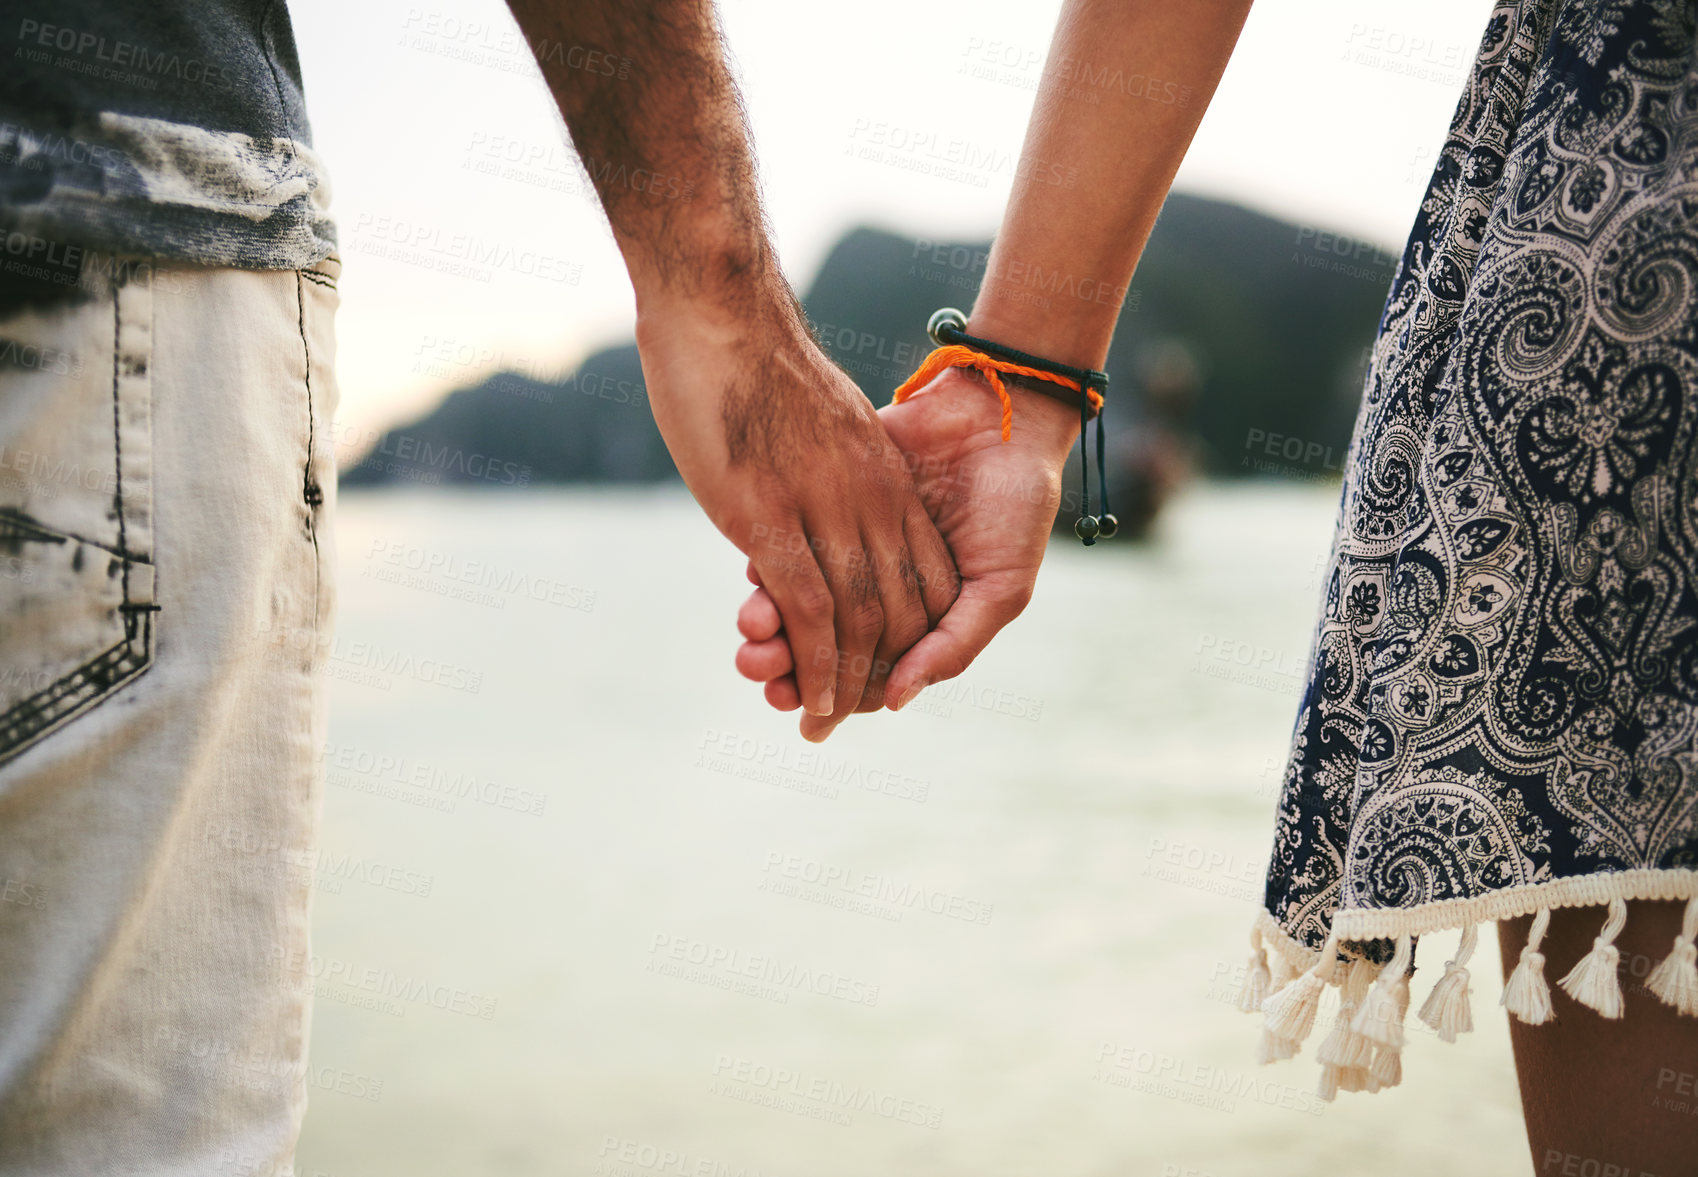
(1602, 1097)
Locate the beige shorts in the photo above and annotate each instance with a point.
(166, 482)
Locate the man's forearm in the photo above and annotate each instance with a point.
(664, 139)
(1094, 172)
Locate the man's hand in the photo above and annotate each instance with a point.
(994, 502)
(791, 463)
(778, 445)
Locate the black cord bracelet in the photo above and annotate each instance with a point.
(948, 328)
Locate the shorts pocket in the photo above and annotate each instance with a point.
(78, 617)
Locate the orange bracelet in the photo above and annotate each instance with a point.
(956, 355)
(957, 349)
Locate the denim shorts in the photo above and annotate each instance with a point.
(166, 483)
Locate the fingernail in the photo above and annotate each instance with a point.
(827, 701)
(908, 696)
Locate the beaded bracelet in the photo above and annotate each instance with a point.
(957, 349)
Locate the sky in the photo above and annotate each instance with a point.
(437, 131)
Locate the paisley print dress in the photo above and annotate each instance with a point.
(1501, 713)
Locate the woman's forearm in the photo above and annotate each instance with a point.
(1124, 89)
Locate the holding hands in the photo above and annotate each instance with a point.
(992, 501)
(887, 548)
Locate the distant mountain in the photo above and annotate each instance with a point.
(1275, 319)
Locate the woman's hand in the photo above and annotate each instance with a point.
(994, 503)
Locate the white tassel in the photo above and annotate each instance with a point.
(1595, 980)
(1282, 974)
(1676, 979)
(1446, 1008)
(1356, 1079)
(1345, 1055)
(1271, 1050)
(1387, 1069)
(1525, 994)
(1344, 1047)
(1381, 1017)
(1290, 1012)
(1256, 976)
(1327, 1089)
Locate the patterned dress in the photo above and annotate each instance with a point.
(1501, 714)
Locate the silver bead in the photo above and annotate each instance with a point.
(946, 315)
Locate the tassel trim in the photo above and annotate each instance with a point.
(1676, 979)
(1257, 979)
(1380, 1019)
(1289, 1013)
(1596, 980)
(1526, 995)
(1363, 1049)
(1345, 1055)
(1447, 1008)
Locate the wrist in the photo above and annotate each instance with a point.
(709, 265)
(1052, 420)
(1041, 423)
(1077, 341)
(1049, 425)
(725, 298)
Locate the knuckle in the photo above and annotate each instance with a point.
(865, 623)
(812, 603)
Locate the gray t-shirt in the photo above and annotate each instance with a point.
(169, 128)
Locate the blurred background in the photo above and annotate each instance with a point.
(585, 906)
